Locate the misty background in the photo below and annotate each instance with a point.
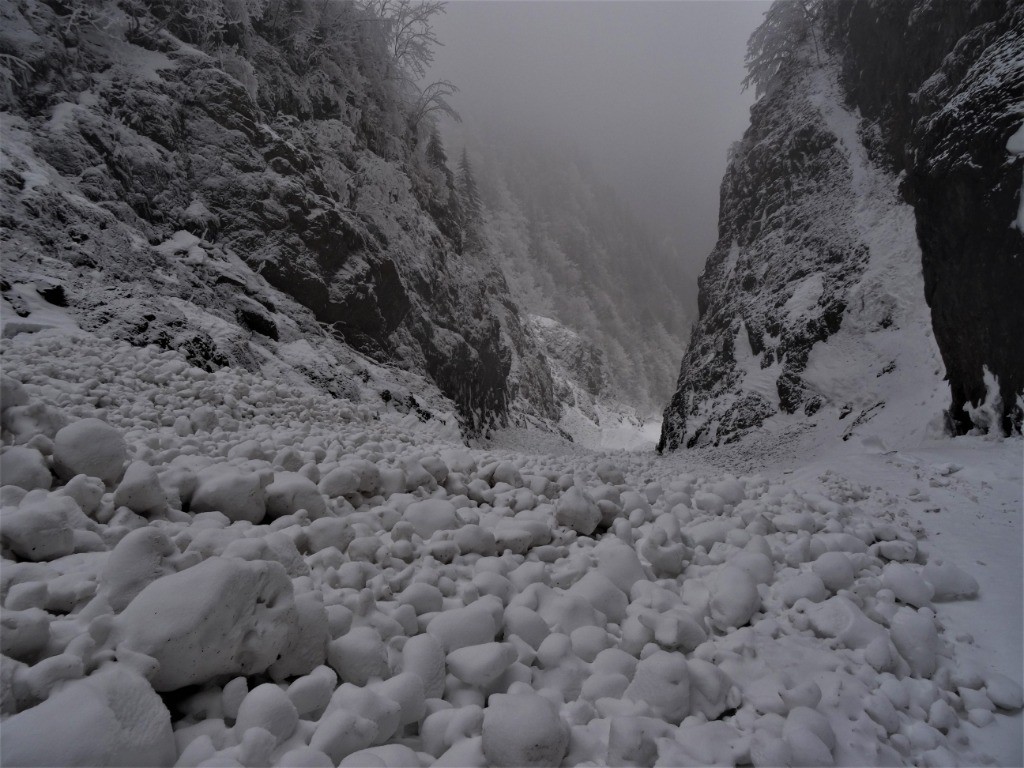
(647, 93)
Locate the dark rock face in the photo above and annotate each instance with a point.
(937, 86)
(778, 277)
(957, 73)
(331, 204)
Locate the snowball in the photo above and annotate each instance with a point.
(267, 706)
(662, 681)
(236, 494)
(220, 617)
(341, 733)
(523, 730)
(479, 665)
(598, 590)
(472, 625)
(734, 598)
(305, 647)
(428, 517)
(311, 693)
(291, 492)
(949, 582)
(25, 468)
(141, 557)
(913, 633)
(803, 586)
(907, 584)
(12, 392)
(840, 618)
(140, 489)
(306, 757)
(408, 691)
(41, 530)
(112, 718)
(1004, 692)
(340, 481)
(358, 655)
(835, 570)
(577, 510)
(89, 447)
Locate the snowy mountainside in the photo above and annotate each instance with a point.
(589, 412)
(864, 252)
(130, 126)
(573, 251)
(812, 303)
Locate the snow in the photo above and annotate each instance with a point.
(315, 582)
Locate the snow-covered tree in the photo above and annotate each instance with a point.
(787, 23)
(468, 189)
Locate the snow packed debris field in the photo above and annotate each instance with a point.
(217, 569)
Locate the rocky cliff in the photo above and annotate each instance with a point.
(875, 174)
(146, 144)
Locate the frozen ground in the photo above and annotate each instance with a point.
(217, 569)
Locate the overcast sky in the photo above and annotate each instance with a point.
(649, 91)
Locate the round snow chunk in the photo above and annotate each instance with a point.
(835, 570)
(89, 447)
(577, 510)
(430, 516)
(141, 557)
(306, 757)
(840, 618)
(140, 489)
(12, 392)
(423, 597)
(478, 665)
(907, 584)
(340, 733)
(311, 693)
(734, 598)
(709, 502)
(267, 706)
(385, 756)
(619, 562)
(220, 617)
(523, 730)
(949, 582)
(41, 530)
(805, 586)
(662, 681)
(472, 625)
(526, 624)
(424, 656)
(913, 633)
(291, 492)
(1004, 692)
(731, 490)
(112, 717)
(236, 494)
(407, 689)
(358, 655)
(598, 590)
(340, 481)
(25, 468)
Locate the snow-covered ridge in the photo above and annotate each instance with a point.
(277, 577)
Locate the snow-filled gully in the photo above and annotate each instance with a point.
(213, 569)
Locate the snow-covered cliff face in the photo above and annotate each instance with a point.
(136, 163)
(956, 74)
(812, 304)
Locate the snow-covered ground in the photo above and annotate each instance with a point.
(221, 569)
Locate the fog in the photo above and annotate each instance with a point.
(648, 91)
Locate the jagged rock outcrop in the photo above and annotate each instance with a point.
(127, 134)
(816, 274)
(957, 73)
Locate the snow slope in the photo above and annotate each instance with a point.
(310, 581)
